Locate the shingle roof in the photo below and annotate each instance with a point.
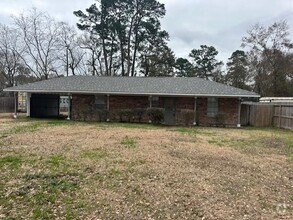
(133, 86)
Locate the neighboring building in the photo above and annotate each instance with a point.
(276, 100)
(22, 101)
(90, 94)
(64, 103)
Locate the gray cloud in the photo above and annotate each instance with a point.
(221, 23)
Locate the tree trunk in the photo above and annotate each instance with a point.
(122, 57)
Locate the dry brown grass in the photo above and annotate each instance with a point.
(64, 170)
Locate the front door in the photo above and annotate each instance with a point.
(170, 111)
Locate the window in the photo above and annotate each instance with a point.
(213, 107)
(100, 102)
(155, 101)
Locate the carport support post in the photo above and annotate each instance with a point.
(28, 104)
(108, 108)
(195, 110)
(151, 101)
(69, 106)
(15, 104)
(239, 113)
(151, 104)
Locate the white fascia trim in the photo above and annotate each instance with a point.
(134, 94)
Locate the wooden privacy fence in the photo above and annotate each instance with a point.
(283, 116)
(7, 104)
(267, 115)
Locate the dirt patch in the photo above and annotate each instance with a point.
(82, 170)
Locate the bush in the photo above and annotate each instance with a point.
(102, 115)
(187, 116)
(128, 115)
(83, 114)
(125, 115)
(220, 119)
(138, 114)
(156, 115)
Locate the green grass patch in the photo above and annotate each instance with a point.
(43, 195)
(42, 213)
(43, 198)
(63, 185)
(59, 122)
(55, 181)
(129, 125)
(95, 154)
(56, 160)
(114, 172)
(257, 145)
(13, 161)
(27, 128)
(190, 131)
(129, 142)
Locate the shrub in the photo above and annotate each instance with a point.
(220, 119)
(124, 115)
(102, 115)
(138, 114)
(156, 115)
(83, 114)
(187, 116)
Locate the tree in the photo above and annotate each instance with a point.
(238, 70)
(121, 29)
(184, 68)
(71, 54)
(10, 61)
(155, 57)
(205, 63)
(93, 55)
(160, 63)
(39, 43)
(270, 46)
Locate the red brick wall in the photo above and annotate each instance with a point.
(82, 104)
(128, 102)
(183, 105)
(227, 106)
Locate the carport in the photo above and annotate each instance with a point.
(44, 105)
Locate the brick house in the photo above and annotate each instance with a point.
(206, 100)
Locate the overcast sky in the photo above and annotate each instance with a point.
(190, 23)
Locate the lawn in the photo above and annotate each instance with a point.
(53, 169)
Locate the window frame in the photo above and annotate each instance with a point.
(212, 107)
(100, 102)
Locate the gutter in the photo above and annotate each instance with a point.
(133, 94)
